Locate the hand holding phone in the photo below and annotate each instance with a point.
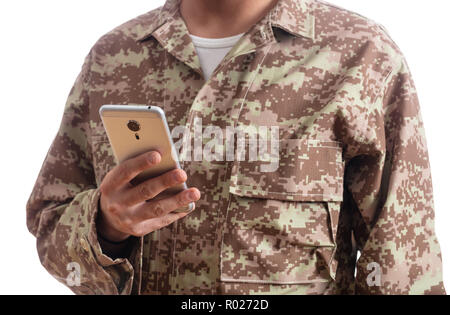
(147, 190)
(133, 210)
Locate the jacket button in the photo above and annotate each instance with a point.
(84, 245)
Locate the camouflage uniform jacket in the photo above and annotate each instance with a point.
(353, 173)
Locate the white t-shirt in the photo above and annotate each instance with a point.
(211, 51)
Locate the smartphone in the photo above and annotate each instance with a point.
(133, 130)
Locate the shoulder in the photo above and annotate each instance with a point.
(126, 35)
(350, 31)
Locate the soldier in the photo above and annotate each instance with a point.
(353, 173)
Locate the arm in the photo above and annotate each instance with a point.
(63, 206)
(390, 184)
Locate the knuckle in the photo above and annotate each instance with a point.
(158, 210)
(145, 191)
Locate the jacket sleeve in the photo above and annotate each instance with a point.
(389, 181)
(63, 205)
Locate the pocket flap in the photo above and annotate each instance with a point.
(304, 170)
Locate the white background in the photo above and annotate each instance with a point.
(42, 47)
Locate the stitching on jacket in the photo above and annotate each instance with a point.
(224, 226)
(251, 83)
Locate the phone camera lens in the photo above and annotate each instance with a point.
(134, 126)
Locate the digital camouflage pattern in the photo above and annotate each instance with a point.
(354, 172)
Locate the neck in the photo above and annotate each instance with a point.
(223, 18)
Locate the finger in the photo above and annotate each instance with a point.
(162, 207)
(153, 187)
(129, 169)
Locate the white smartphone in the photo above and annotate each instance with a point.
(133, 130)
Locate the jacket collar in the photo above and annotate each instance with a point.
(293, 16)
(169, 29)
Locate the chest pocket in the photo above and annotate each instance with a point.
(280, 226)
